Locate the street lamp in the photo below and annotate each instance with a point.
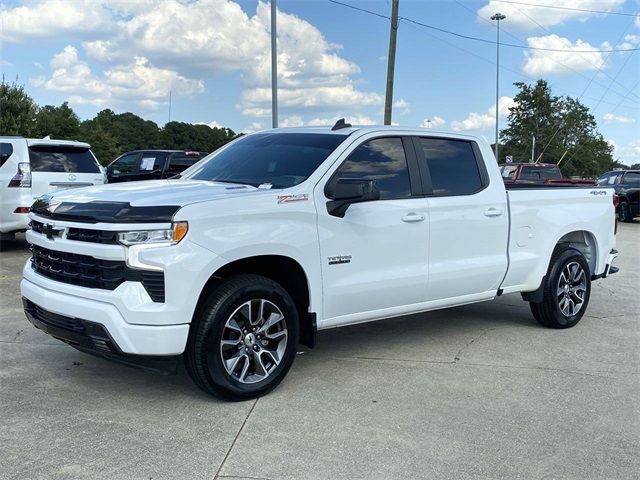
(498, 17)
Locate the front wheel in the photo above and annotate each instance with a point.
(566, 290)
(243, 338)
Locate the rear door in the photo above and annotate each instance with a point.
(468, 228)
(60, 167)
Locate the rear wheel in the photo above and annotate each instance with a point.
(624, 212)
(243, 339)
(566, 290)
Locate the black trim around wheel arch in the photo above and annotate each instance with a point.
(100, 211)
(94, 339)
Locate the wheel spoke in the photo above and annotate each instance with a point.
(256, 358)
(273, 319)
(232, 362)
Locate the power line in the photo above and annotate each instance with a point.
(625, 14)
(483, 40)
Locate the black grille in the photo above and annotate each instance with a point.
(92, 236)
(80, 234)
(55, 320)
(90, 272)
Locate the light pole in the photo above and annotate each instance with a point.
(274, 67)
(498, 17)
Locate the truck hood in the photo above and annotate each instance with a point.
(156, 192)
(134, 202)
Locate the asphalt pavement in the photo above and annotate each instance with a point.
(480, 391)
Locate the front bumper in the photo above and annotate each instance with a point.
(156, 340)
(93, 338)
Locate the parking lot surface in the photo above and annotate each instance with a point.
(480, 391)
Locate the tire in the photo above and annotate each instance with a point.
(624, 212)
(235, 313)
(561, 307)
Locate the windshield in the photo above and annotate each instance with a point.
(267, 160)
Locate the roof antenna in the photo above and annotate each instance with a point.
(340, 124)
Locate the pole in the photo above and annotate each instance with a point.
(533, 147)
(274, 68)
(393, 34)
(498, 17)
(169, 106)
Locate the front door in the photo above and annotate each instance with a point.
(375, 257)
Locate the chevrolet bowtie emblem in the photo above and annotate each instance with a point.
(51, 232)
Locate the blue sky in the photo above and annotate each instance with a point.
(213, 55)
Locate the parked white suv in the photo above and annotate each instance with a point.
(285, 232)
(32, 167)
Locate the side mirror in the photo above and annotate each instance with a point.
(350, 190)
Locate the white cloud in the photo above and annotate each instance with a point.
(433, 122)
(52, 18)
(254, 127)
(612, 118)
(212, 124)
(629, 154)
(480, 121)
(292, 121)
(138, 82)
(576, 57)
(520, 16)
(353, 120)
(200, 38)
(630, 41)
(402, 106)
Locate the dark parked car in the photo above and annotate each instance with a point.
(151, 164)
(627, 185)
(537, 173)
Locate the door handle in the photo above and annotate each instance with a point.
(492, 212)
(413, 217)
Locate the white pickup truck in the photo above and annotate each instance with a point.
(285, 232)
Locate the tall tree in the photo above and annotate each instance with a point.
(17, 110)
(564, 129)
(103, 144)
(57, 122)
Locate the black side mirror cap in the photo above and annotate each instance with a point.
(346, 191)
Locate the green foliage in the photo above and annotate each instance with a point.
(179, 135)
(562, 126)
(109, 134)
(17, 110)
(57, 122)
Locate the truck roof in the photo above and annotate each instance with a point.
(373, 129)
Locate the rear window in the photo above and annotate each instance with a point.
(62, 159)
(6, 150)
(452, 166)
(540, 173)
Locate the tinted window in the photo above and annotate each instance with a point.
(540, 173)
(6, 150)
(178, 162)
(62, 159)
(632, 179)
(382, 160)
(125, 164)
(276, 160)
(152, 161)
(509, 172)
(604, 179)
(452, 165)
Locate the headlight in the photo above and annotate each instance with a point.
(145, 237)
